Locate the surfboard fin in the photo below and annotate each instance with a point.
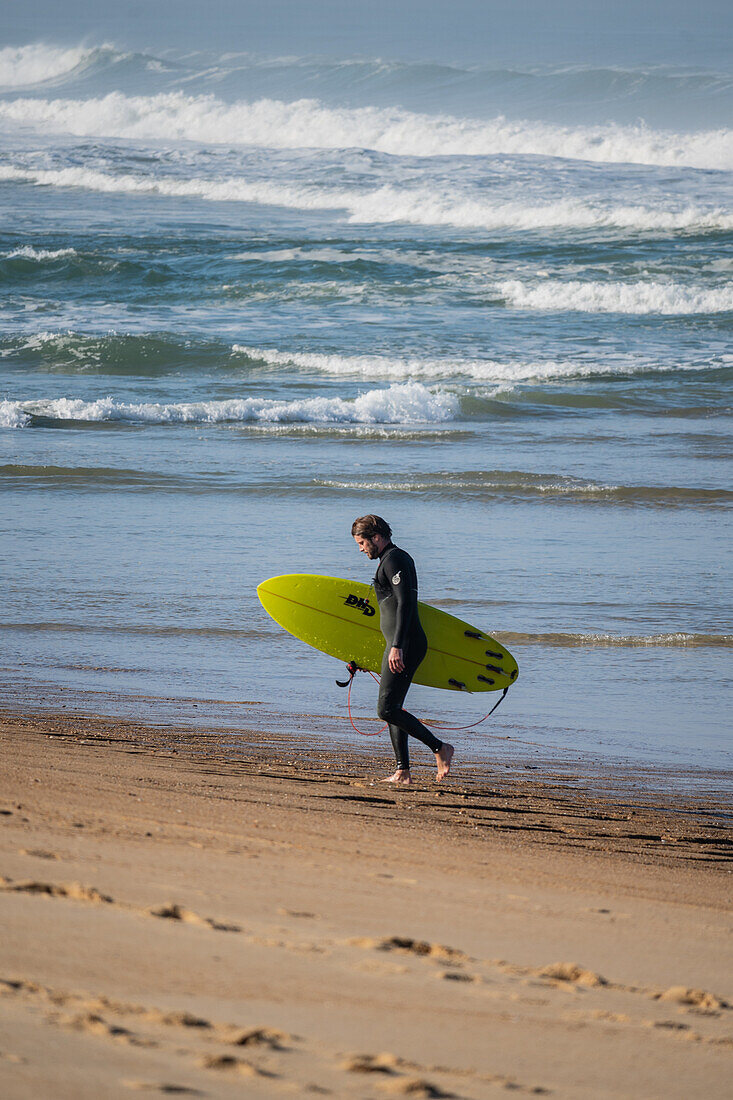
(352, 668)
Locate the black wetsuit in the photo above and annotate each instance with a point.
(395, 584)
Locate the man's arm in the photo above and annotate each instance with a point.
(399, 575)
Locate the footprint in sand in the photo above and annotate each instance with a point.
(176, 912)
(162, 1086)
(260, 1036)
(607, 913)
(74, 891)
(694, 998)
(411, 947)
(97, 1025)
(230, 1064)
(571, 972)
(389, 1066)
(372, 1063)
(416, 1087)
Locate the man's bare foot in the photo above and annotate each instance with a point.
(401, 778)
(443, 757)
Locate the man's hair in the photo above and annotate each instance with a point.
(369, 526)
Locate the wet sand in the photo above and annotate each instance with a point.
(184, 916)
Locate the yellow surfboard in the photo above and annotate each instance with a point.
(341, 618)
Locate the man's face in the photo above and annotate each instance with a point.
(367, 546)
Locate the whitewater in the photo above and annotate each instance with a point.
(310, 124)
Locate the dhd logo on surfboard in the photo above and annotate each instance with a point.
(360, 603)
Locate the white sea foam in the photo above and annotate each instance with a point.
(327, 255)
(682, 639)
(454, 484)
(40, 254)
(478, 484)
(411, 403)
(428, 207)
(408, 367)
(426, 370)
(387, 204)
(364, 366)
(12, 415)
(22, 65)
(214, 190)
(487, 371)
(614, 297)
(308, 123)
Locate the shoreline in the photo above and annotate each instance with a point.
(506, 749)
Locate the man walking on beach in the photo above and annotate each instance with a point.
(395, 584)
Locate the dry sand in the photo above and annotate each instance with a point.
(177, 920)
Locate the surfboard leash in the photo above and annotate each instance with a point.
(471, 726)
(352, 668)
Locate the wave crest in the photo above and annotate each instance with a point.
(41, 255)
(489, 371)
(528, 485)
(149, 354)
(388, 204)
(38, 63)
(307, 123)
(411, 403)
(637, 297)
(681, 639)
(12, 415)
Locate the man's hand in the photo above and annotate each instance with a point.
(396, 664)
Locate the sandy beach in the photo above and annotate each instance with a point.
(182, 919)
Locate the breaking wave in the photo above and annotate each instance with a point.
(696, 97)
(410, 403)
(159, 353)
(489, 371)
(27, 252)
(615, 297)
(37, 63)
(12, 415)
(307, 123)
(388, 204)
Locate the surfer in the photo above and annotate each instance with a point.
(395, 584)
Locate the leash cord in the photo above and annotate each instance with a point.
(368, 733)
(353, 669)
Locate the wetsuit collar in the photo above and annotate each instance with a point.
(389, 546)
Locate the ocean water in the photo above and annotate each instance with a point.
(248, 296)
